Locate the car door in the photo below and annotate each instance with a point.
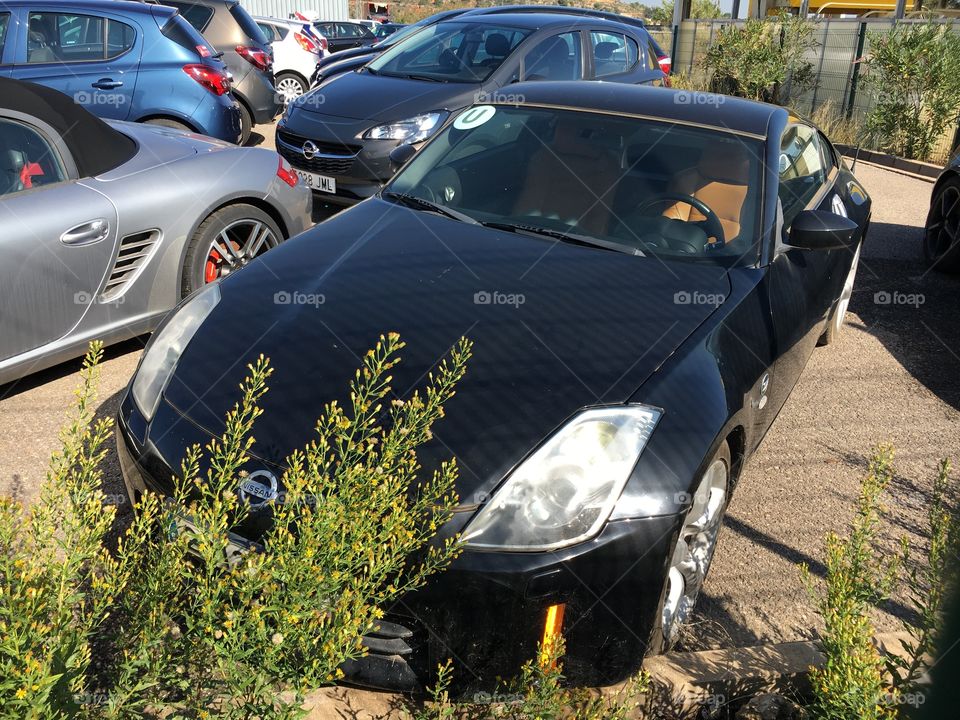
(802, 284)
(57, 238)
(555, 57)
(91, 57)
(348, 36)
(8, 41)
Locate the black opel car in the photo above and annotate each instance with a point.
(339, 136)
(644, 274)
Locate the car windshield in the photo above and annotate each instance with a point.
(641, 186)
(450, 52)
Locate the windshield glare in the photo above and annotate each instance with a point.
(451, 51)
(647, 185)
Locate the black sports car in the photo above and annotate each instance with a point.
(644, 274)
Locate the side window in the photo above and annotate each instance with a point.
(120, 38)
(280, 32)
(61, 37)
(196, 15)
(4, 22)
(554, 58)
(801, 168)
(347, 30)
(26, 159)
(268, 31)
(613, 53)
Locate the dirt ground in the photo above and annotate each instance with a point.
(893, 376)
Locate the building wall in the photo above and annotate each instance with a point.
(328, 9)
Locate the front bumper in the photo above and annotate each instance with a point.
(487, 611)
(360, 167)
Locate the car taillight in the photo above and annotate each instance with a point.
(213, 80)
(324, 44)
(666, 63)
(256, 57)
(306, 43)
(287, 174)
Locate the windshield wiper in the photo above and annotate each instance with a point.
(419, 203)
(425, 78)
(573, 238)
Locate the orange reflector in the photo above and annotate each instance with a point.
(552, 629)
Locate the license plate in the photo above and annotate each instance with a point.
(323, 183)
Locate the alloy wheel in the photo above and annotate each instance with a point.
(943, 225)
(235, 246)
(694, 549)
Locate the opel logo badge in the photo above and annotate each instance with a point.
(258, 488)
(310, 149)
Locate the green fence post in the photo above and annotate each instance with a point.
(855, 76)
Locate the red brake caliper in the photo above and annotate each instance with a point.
(212, 269)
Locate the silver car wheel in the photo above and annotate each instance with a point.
(289, 89)
(236, 245)
(694, 548)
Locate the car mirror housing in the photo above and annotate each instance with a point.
(400, 154)
(821, 230)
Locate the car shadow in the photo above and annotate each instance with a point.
(69, 367)
(910, 309)
(255, 139)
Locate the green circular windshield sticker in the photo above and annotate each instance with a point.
(474, 117)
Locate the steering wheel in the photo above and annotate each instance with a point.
(712, 225)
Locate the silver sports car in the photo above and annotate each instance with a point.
(105, 227)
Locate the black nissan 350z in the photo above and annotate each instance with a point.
(644, 274)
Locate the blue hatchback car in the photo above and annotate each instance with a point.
(120, 60)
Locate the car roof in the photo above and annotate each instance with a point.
(532, 19)
(119, 6)
(746, 117)
(557, 10)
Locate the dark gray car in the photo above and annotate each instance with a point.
(340, 135)
(246, 53)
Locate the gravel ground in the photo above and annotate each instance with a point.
(893, 376)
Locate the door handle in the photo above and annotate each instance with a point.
(86, 233)
(107, 84)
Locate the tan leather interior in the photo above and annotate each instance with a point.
(720, 180)
(573, 180)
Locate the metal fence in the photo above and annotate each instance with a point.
(837, 81)
(327, 9)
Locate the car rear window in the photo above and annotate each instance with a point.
(195, 14)
(185, 35)
(247, 24)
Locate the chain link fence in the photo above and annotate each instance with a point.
(838, 86)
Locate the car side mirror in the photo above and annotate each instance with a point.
(821, 230)
(400, 154)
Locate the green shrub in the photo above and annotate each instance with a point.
(856, 682)
(762, 59)
(914, 71)
(182, 627)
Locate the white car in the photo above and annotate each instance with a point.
(297, 47)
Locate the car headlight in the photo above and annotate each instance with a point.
(166, 346)
(564, 492)
(411, 131)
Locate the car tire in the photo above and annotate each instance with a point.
(246, 124)
(250, 232)
(941, 240)
(838, 318)
(289, 86)
(687, 562)
(168, 122)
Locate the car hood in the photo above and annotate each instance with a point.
(157, 145)
(362, 96)
(555, 328)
